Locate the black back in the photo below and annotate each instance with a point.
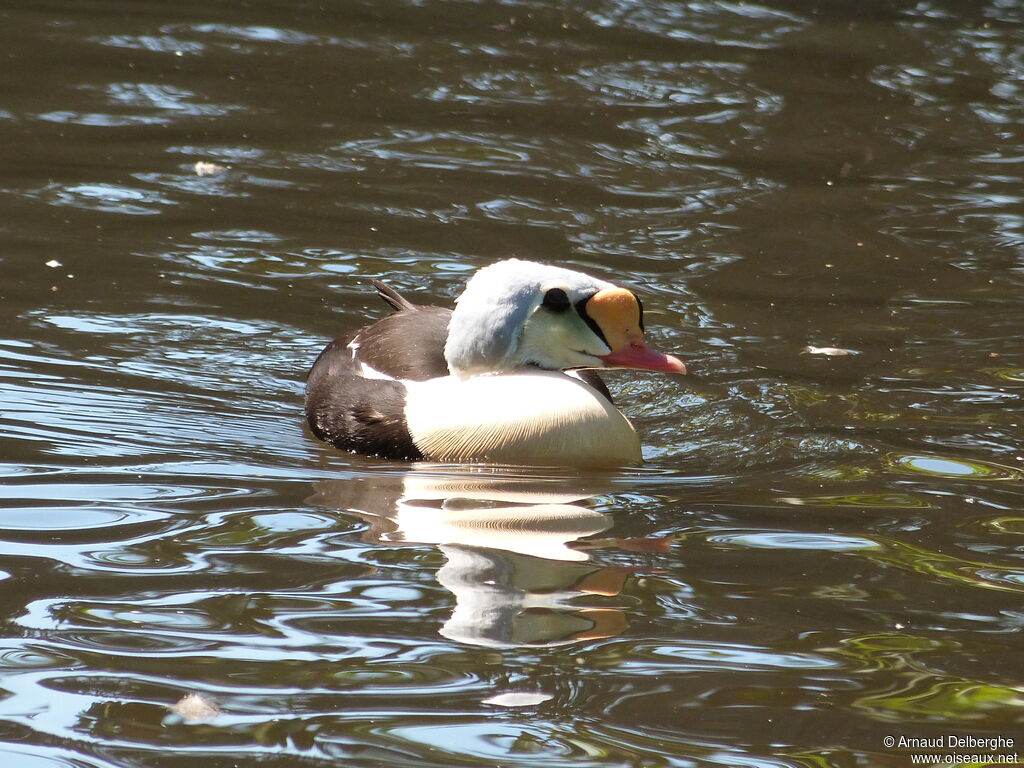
(408, 344)
(353, 412)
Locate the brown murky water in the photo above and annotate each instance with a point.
(821, 552)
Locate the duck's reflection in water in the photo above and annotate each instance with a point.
(508, 540)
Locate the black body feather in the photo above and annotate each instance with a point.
(353, 412)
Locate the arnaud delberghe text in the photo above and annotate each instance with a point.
(953, 741)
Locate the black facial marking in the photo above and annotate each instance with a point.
(640, 306)
(556, 300)
(581, 308)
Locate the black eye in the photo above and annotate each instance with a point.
(556, 300)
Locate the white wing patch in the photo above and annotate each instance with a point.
(368, 372)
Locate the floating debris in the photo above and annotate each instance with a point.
(518, 699)
(196, 707)
(206, 168)
(53, 264)
(829, 351)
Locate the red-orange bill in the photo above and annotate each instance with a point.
(642, 357)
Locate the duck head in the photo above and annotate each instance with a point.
(519, 314)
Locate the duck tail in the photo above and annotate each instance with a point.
(393, 298)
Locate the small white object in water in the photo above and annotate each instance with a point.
(205, 168)
(196, 707)
(518, 699)
(53, 264)
(830, 351)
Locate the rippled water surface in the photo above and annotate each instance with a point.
(821, 550)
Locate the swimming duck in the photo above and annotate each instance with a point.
(508, 376)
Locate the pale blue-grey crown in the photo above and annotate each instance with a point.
(492, 311)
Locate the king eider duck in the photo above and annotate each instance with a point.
(506, 377)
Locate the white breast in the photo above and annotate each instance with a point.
(524, 418)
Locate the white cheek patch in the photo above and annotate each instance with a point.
(558, 342)
(530, 418)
